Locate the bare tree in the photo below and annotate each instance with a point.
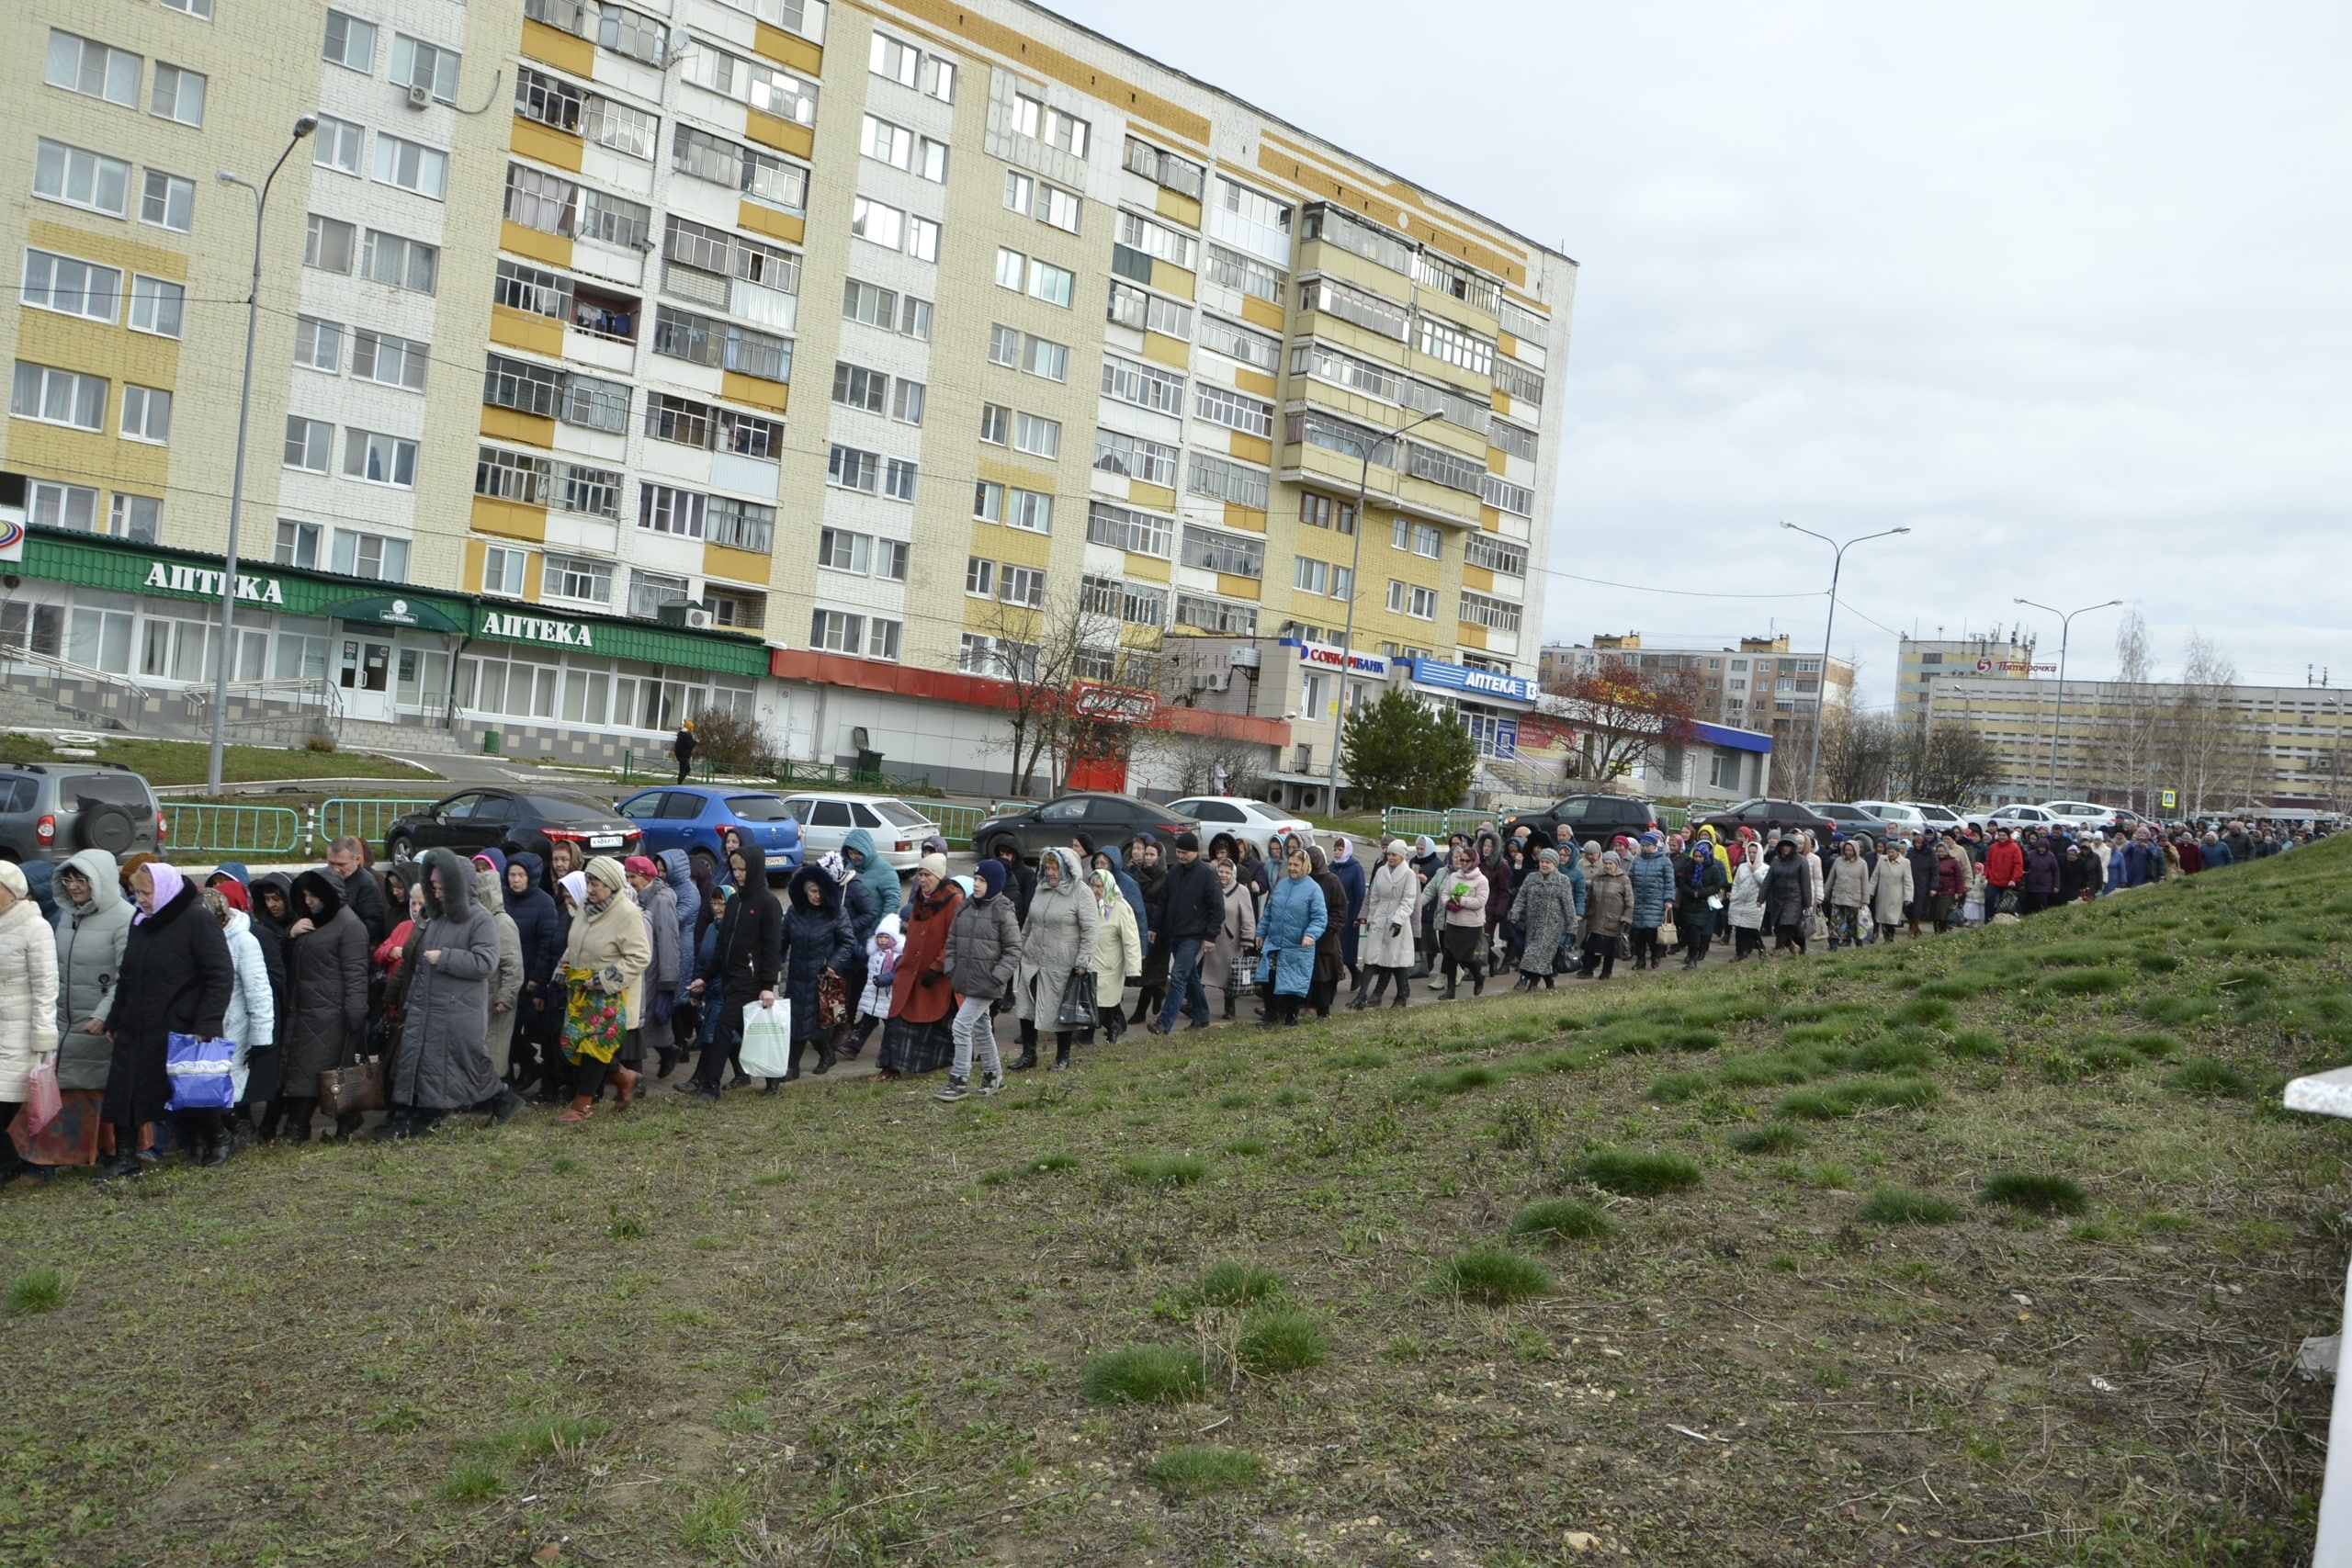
(1624, 714)
(2126, 751)
(1219, 761)
(1951, 764)
(2202, 740)
(1858, 753)
(1040, 651)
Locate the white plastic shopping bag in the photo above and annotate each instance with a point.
(767, 1039)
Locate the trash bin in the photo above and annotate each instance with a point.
(490, 743)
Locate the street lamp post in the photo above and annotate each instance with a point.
(1821, 688)
(1347, 636)
(222, 654)
(2065, 626)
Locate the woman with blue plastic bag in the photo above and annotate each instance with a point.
(27, 1001)
(1295, 920)
(176, 979)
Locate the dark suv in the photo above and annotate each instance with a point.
(53, 811)
(1589, 819)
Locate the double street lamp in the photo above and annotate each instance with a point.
(2065, 625)
(1821, 688)
(224, 652)
(1347, 636)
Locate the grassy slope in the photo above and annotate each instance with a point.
(848, 1326)
(183, 762)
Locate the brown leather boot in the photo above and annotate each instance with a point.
(625, 1087)
(581, 1104)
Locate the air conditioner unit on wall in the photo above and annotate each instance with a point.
(1213, 681)
(684, 612)
(420, 96)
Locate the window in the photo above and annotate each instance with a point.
(308, 443)
(579, 578)
(337, 144)
(1237, 342)
(1031, 511)
(665, 509)
(1331, 432)
(761, 175)
(200, 9)
(64, 506)
(536, 200)
(139, 517)
(416, 63)
(378, 460)
(411, 166)
(1047, 204)
(980, 577)
(1145, 386)
(996, 424)
(1484, 610)
(71, 288)
(1405, 599)
(1049, 124)
(1510, 439)
(877, 224)
(1434, 272)
(1204, 614)
(1023, 585)
(837, 631)
(1260, 218)
(883, 308)
(1054, 285)
(1455, 345)
(1422, 538)
(850, 469)
(329, 244)
(1375, 244)
(1496, 554)
(767, 88)
(891, 144)
(502, 571)
(1324, 512)
(1153, 462)
(702, 340)
(1037, 436)
(899, 475)
(1028, 351)
(167, 201)
(648, 591)
(890, 557)
(178, 95)
(550, 100)
(81, 65)
(987, 501)
(1123, 528)
(690, 424)
(369, 554)
(1180, 174)
(1222, 405)
(910, 67)
(629, 132)
(1143, 606)
(298, 543)
(1140, 234)
(906, 402)
(59, 397)
(525, 387)
(146, 414)
(1364, 309)
(1233, 555)
(1505, 496)
(595, 492)
(351, 43)
(1317, 577)
(923, 239)
(858, 388)
(392, 361)
(841, 550)
(613, 221)
(156, 305)
(1098, 596)
(401, 263)
(513, 476)
(1523, 384)
(531, 288)
(79, 177)
(1248, 274)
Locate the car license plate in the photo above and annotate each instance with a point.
(605, 841)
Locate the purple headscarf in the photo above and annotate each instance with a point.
(168, 882)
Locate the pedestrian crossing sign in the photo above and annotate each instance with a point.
(2171, 798)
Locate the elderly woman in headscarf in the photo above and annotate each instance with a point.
(1118, 951)
(606, 956)
(443, 1062)
(1543, 910)
(1747, 902)
(1223, 959)
(1607, 915)
(820, 945)
(1465, 896)
(918, 1037)
(1702, 887)
(176, 979)
(1349, 873)
(1057, 942)
(1295, 915)
(1325, 988)
(1391, 912)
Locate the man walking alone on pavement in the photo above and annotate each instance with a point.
(682, 748)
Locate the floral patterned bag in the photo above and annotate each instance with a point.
(594, 1020)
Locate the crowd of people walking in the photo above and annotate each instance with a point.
(140, 1012)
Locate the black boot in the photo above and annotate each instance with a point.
(1228, 1007)
(825, 1058)
(669, 1063)
(1061, 1053)
(792, 1067)
(1026, 1060)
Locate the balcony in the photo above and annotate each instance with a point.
(603, 329)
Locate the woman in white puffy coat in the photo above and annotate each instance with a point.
(28, 998)
(1391, 913)
(252, 1018)
(1748, 904)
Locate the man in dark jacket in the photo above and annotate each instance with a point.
(743, 963)
(362, 894)
(1191, 909)
(682, 748)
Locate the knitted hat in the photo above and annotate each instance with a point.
(641, 866)
(607, 870)
(1188, 841)
(936, 864)
(991, 875)
(13, 878)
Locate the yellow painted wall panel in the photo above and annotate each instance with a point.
(1168, 350)
(1469, 635)
(1262, 312)
(113, 250)
(474, 549)
(1250, 448)
(1256, 382)
(736, 566)
(1018, 545)
(790, 49)
(1498, 460)
(1490, 519)
(784, 135)
(1173, 280)
(1234, 587)
(534, 571)
(86, 457)
(1178, 208)
(1507, 342)
(526, 330)
(761, 218)
(738, 388)
(1249, 519)
(553, 249)
(1501, 402)
(559, 48)
(510, 424)
(546, 144)
(1155, 498)
(509, 520)
(1478, 577)
(72, 343)
(1148, 569)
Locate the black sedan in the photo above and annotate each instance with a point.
(511, 820)
(1770, 816)
(1103, 819)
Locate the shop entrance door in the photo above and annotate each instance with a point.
(365, 676)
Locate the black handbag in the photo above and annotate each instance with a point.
(1076, 1011)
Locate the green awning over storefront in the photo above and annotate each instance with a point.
(383, 609)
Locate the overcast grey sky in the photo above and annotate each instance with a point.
(2066, 288)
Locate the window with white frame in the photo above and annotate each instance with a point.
(51, 396)
(1144, 385)
(980, 577)
(329, 245)
(1512, 439)
(842, 631)
(911, 67)
(416, 63)
(137, 517)
(1233, 270)
(846, 467)
(856, 386)
(1123, 528)
(350, 43)
(1223, 405)
(1021, 585)
(1153, 462)
(361, 554)
(579, 578)
(178, 95)
(1319, 577)
(1154, 239)
(1326, 511)
(146, 414)
(411, 166)
(1486, 610)
(298, 543)
(840, 549)
(399, 262)
(1422, 538)
(996, 424)
(1143, 605)
(1228, 554)
(987, 501)
(523, 385)
(502, 571)
(1524, 386)
(648, 591)
(79, 177)
(666, 509)
(1495, 553)
(167, 201)
(52, 505)
(759, 175)
(71, 287)
(1455, 345)
(1048, 204)
(906, 400)
(1411, 599)
(878, 223)
(1221, 479)
(158, 305)
(1029, 510)
(887, 308)
(1202, 613)
(770, 89)
(339, 144)
(898, 478)
(1039, 436)
(388, 360)
(86, 66)
(1163, 168)
(522, 477)
(741, 525)
(923, 239)
(377, 458)
(1237, 342)
(309, 444)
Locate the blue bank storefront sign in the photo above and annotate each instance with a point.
(1488, 684)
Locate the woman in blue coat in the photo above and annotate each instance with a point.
(1294, 920)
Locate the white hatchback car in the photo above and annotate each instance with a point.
(1251, 821)
(1896, 814)
(825, 820)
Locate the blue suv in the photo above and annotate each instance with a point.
(693, 817)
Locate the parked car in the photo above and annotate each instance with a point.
(1942, 818)
(696, 818)
(2015, 817)
(1896, 814)
(1250, 821)
(51, 811)
(2082, 816)
(1770, 817)
(1589, 819)
(1851, 821)
(899, 829)
(1103, 819)
(507, 820)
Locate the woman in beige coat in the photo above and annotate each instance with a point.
(605, 960)
(1225, 963)
(1118, 953)
(1891, 890)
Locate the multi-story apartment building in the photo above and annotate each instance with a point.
(1760, 684)
(1081, 346)
(1919, 664)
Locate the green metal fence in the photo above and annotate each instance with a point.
(1407, 822)
(360, 817)
(252, 831)
(1404, 822)
(956, 823)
